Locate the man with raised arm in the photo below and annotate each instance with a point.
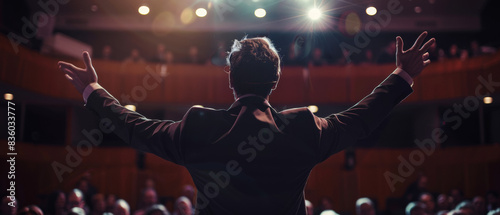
(251, 159)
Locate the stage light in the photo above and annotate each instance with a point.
(418, 9)
(143, 10)
(8, 96)
(260, 13)
(313, 108)
(201, 12)
(315, 14)
(371, 11)
(487, 100)
(130, 107)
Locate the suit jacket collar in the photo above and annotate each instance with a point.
(250, 99)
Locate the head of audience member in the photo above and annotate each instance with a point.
(7, 207)
(415, 208)
(30, 210)
(98, 204)
(149, 197)
(157, 209)
(369, 56)
(254, 67)
(456, 197)
(169, 57)
(492, 201)
(443, 202)
(160, 49)
(465, 207)
(75, 198)
(56, 203)
(422, 182)
(309, 207)
(121, 207)
(188, 191)
(110, 202)
(454, 52)
(76, 211)
(364, 206)
(479, 204)
(184, 206)
(106, 52)
(193, 54)
(428, 200)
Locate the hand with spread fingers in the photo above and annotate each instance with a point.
(415, 59)
(79, 77)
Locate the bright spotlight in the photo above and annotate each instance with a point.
(143, 10)
(313, 108)
(8, 96)
(487, 100)
(315, 14)
(201, 12)
(130, 107)
(260, 13)
(371, 10)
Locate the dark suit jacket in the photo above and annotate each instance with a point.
(250, 159)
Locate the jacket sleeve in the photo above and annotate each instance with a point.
(341, 130)
(160, 137)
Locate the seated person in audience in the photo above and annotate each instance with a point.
(121, 207)
(169, 57)
(454, 52)
(134, 57)
(157, 209)
(106, 52)
(98, 204)
(465, 207)
(418, 187)
(110, 203)
(75, 198)
(56, 203)
(309, 207)
(160, 55)
(428, 200)
(30, 210)
(387, 54)
(415, 208)
(194, 57)
(479, 205)
(492, 201)
(364, 206)
(457, 196)
(318, 59)
(148, 199)
(443, 202)
(183, 206)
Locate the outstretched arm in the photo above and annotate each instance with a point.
(341, 130)
(160, 137)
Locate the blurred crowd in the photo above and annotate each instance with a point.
(84, 199)
(302, 56)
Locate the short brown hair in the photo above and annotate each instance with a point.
(254, 66)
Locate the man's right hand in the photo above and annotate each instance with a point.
(415, 59)
(80, 78)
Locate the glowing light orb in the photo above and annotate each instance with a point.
(371, 11)
(260, 13)
(201, 12)
(315, 14)
(143, 10)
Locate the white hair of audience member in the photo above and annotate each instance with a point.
(121, 204)
(412, 206)
(361, 201)
(494, 212)
(329, 212)
(157, 208)
(464, 204)
(76, 211)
